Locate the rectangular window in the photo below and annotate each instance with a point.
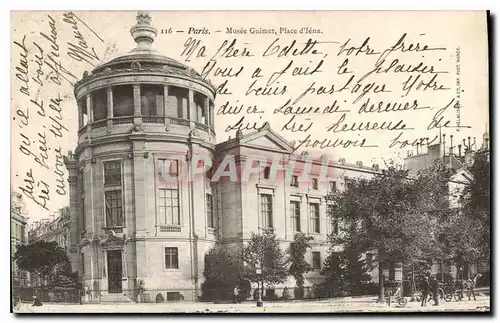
(316, 260)
(100, 104)
(333, 186)
(267, 171)
(114, 214)
(295, 215)
(152, 100)
(295, 181)
(180, 107)
(314, 217)
(315, 183)
(113, 173)
(210, 212)
(169, 207)
(171, 258)
(168, 167)
(266, 205)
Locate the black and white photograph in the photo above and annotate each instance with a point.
(250, 162)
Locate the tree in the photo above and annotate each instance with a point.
(464, 231)
(392, 213)
(298, 265)
(344, 271)
(475, 203)
(222, 272)
(264, 249)
(42, 258)
(333, 270)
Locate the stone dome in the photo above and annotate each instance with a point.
(144, 57)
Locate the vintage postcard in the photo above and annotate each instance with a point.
(249, 162)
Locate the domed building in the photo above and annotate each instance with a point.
(135, 217)
(140, 220)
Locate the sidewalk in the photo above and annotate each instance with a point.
(338, 305)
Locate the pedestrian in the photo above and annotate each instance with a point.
(236, 294)
(36, 300)
(472, 285)
(435, 289)
(425, 290)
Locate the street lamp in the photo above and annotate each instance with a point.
(258, 271)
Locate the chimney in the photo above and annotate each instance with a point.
(444, 145)
(469, 147)
(417, 148)
(459, 150)
(451, 145)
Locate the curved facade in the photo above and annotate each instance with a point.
(135, 217)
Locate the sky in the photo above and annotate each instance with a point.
(463, 58)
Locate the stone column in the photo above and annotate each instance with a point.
(137, 105)
(80, 116)
(90, 110)
(109, 92)
(212, 116)
(139, 205)
(206, 109)
(165, 100)
(74, 196)
(191, 108)
(90, 114)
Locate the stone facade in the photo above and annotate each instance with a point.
(56, 229)
(18, 236)
(138, 221)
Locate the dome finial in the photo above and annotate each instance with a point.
(144, 34)
(143, 18)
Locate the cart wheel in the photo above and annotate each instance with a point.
(448, 297)
(402, 302)
(458, 295)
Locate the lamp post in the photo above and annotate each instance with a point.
(258, 271)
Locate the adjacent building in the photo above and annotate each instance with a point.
(18, 236)
(56, 228)
(458, 157)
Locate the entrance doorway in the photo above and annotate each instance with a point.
(114, 271)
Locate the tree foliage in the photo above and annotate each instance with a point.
(298, 265)
(393, 213)
(345, 272)
(475, 204)
(264, 249)
(465, 233)
(222, 273)
(45, 259)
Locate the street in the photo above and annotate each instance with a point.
(338, 305)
